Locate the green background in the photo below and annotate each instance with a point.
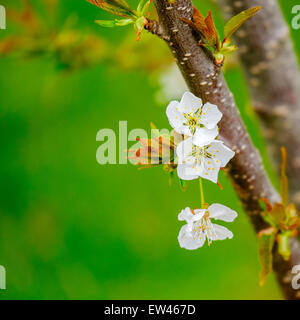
(72, 229)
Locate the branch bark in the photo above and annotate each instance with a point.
(271, 69)
(246, 170)
(155, 28)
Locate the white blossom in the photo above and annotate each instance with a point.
(191, 118)
(199, 226)
(205, 161)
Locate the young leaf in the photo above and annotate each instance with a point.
(284, 246)
(123, 22)
(171, 177)
(114, 23)
(284, 180)
(106, 23)
(265, 204)
(277, 214)
(199, 21)
(292, 217)
(183, 185)
(153, 126)
(211, 33)
(266, 239)
(142, 6)
(117, 7)
(235, 22)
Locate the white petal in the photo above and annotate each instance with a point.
(185, 215)
(199, 212)
(219, 212)
(175, 117)
(185, 130)
(184, 150)
(210, 115)
(210, 170)
(188, 240)
(221, 233)
(190, 103)
(204, 136)
(220, 152)
(188, 216)
(186, 173)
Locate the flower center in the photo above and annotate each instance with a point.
(192, 120)
(203, 229)
(198, 154)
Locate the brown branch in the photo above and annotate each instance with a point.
(206, 81)
(271, 69)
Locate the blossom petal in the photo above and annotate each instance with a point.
(210, 170)
(188, 240)
(219, 212)
(210, 115)
(185, 215)
(190, 103)
(185, 172)
(222, 153)
(221, 233)
(204, 136)
(176, 118)
(185, 130)
(188, 216)
(184, 150)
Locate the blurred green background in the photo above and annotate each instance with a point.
(72, 229)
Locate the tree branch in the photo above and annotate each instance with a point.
(271, 69)
(204, 79)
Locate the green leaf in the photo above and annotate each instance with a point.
(277, 214)
(114, 23)
(140, 23)
(117, 7)
(146, 7)
(139, 26)
(171, 177)
(183, 185)
(266, 239)
(153, 126)
(211, 34)
(237, 21)
(292, 217)
(142, 6)
(123, 22)
(106, 23)
(284, 246)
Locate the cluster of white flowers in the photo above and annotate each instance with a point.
(200, 155)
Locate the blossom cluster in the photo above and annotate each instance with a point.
(200, 155)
